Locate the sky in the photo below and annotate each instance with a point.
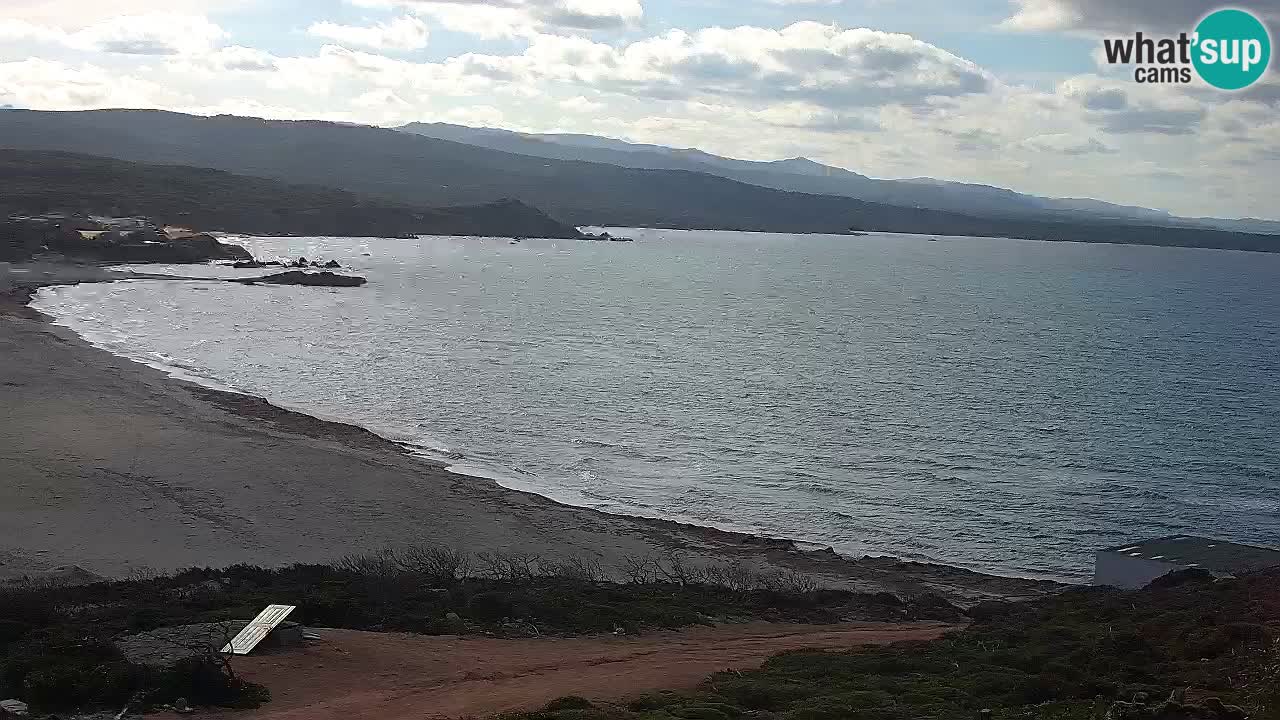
(1011, 93)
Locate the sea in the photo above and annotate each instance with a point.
(1003, 405)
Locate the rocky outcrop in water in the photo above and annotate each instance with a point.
(297, 277)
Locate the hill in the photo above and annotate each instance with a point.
(418, 170)
(33, 182)
(794, 174)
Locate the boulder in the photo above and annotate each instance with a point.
(13, 707)
(331, 264)
(202, 247)
(297, 277)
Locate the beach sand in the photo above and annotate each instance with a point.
(111, 468)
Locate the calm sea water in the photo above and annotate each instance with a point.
(1004, 405)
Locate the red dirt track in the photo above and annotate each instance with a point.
(351, 674)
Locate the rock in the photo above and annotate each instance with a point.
(297, 277)
(454, 624)
(252, 264)
(1178, 578)
(182, 707)
(14, 707)
(332, 264)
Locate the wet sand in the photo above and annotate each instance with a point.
(115, 468)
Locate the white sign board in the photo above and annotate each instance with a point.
(259, 628)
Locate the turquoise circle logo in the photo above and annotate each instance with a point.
(1233, 49)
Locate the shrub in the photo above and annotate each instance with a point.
(205, 681)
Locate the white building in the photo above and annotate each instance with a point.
(1136, 564)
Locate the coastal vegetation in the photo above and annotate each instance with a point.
(1188, 647)
(1188, 644)
(58, 651)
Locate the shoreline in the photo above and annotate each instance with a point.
(222, 520)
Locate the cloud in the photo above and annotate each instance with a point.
(48, 85)
(1123, 16)
(1120, 110)
(821, 65)
(806, 116)
(238, 58)
(335, 66)
(1104, 99)
(71, 15)
(974, 140)
(521, 18)
(1067, 144)
(161, 34)
(403, 33)
(581, 104)
(1163, 121)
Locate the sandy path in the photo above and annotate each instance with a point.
(354, 674)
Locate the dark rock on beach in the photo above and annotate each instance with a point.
(297, 277)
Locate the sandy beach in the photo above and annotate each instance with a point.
(111, 468)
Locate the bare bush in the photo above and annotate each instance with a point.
(381, 564)
(511, 567)
(742, 579)
(674, 569)
(639, 569)
(575, 567)
(436, 564)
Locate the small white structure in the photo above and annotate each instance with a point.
(1135, 565)
(257, 629)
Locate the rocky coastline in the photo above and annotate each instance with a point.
(109, 239)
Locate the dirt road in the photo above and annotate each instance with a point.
(354, 674)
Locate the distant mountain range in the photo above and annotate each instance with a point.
(416, 171)
(35, 182)
(805, 175)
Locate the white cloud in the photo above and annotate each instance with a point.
(1128, 108)
(70, 15)
(521, 18)
(161, 34)
(803, 115)
(402, 33)
(581, 104)
(47, 85)
(238, 58)
(1067, 144)
(822, 65)
(164, 34)
(1123, 16)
